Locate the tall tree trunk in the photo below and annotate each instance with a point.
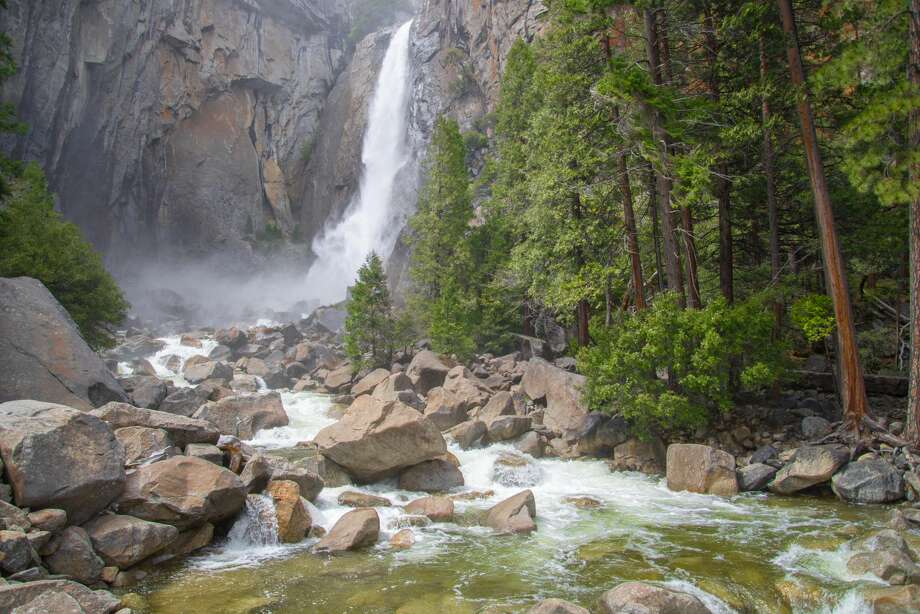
(770, 178)
(632, 235)
(853, 389)
(663, 187)
(583, 315)
(913, 402)
(652, 190)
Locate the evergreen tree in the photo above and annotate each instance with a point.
(372, 332)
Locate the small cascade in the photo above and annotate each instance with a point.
(256, 526)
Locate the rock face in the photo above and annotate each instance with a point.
(123, 541)
(224, 98)
(356, 529)
(649, 599)
(868, 481)
(43, 355)
(561, 391)
(812, 465)
(244, 416)
(182, 491)
(59, 457)
(380, 440)
(701, 469)
(514, 515)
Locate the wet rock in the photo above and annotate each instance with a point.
(184, 401)
(369, 382)
(74, 556)
(436, 509)
(355, 530)
(200, 368)
(16, 551)
(182, 430)
(39, 540)
(504, 428)
(309, 482)
(815, 427)
(187, 542)
(390, 388)
(182, 491)
(561, 391)
(583, 503)
(142, 443)
(515, 514)
(468, 433)
(649, 599)
(868, 481)
(557, 606)
(531, 443)
(701, 469)
(515, 470)
(30, 575)
(381, 440)
(470, 391)
(599, 434)
(14, 596)
(123, 541)
(445, 408)
(426, 371)
(893, 599)
(338, 379)
(892, 566)
(762, 455)
(292, 516)
(755, 477)
(256, 474)
(244, 416)
(48, 519)
(56, 456)
(44, 357)
(145, 391)
(244, 383)
(402, 539)
(233, 337)
(501, 404)
(221, 353)
(13, 519)
(431, 476)
(351, 498)
(649, 457)
(206, 451)
(812, 465)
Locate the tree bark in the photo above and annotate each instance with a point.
(652, 190)
(770, 178)
(632, 235)
(913, 402)
(853, 390)
(663, 187)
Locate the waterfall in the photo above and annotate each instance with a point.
(371, 222)
(256, 526)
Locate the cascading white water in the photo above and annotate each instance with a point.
(371, 222)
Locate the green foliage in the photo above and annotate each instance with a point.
(373, 332)
(474, 141)
(306, 150)
(451, 317)
(813, 314)
(668, 367)
(38, 243)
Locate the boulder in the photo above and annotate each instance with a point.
(561, 391)
(815, 427)
(200, 368)
(337, 379)
(402, 539)
(292, 516)
(233, 337)
(182, 491)
(426, 371)
(16, 551)
(256, 474)
(13, 519)
(16, 596)
(436, 509)
(74, 556)
(60, 457)
(504, 428)
(187, 542)
(123, 541)
(893, 599)
(516, 514)
(142, 443)
(368, 383)
(649, 457)
(531, 443)
(182, 431)
(470, 391)
(889, 565)
(207, 451)
(48, 519)
(557, 606)
(184, 401)
(145, 391)
(352, 498)
(244, 416)
(44, 357)
(755, 477)
(599, 434)
(868, 481)
(650, 599)
(812, 465)
(701, 469)
(356, 529)
(310, 483)
(243, 382)
(381, 440)
(468, 433)
(436, 475)
(445, 408)
(763, 454)
(501, 404)
(389, 389)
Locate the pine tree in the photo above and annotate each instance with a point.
(370, 327)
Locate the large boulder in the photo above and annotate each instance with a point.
(182, 430)
(290, 512)
(338, 379)
(650, 599)
(244, 416)
(123, 541)
(310, 483)
(701, 469)
(466, 434)
(464, 386)
(60, 457)
(28, 594)
(143, 444)
(755, 477)
(200, 368)
(182, 491)
(813, 465)
(436, 509)
(868, 481)
(369, 382)
(185, 401)
(16, 551)
(74, 556)
(426, 371)
(436, 475)
(42, 354)
(515, 514)
(599, 434)
(501, 404)
(504, 428)
(561, 392)
(380, 440)
(557, 606)
(390, 388)
(647, 457)
(356, 529)
(145, 391)
(445, 408)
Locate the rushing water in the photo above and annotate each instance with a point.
(371, 221)
(751, 553)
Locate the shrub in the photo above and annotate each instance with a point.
(38, 243)
(813, 314)
(372, 331)
(667, 367)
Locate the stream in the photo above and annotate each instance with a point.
(752, 553)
